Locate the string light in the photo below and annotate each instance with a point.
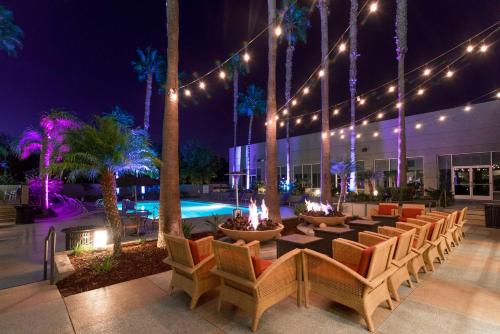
(380, 115)
(332, 133)
(483, 48)
(449, 74)
(202, 85)
(375, 134)
(467, 108)
(427, 72)
(420, 91)
(398, 105)
(282, 124)
(365, 122)
(321, 73)
(265, 124)
(418, 126)
(358, 135)
(222, 74)
(373, 7)
(470, 48)
(351, 128)
(342, 47)
(276, 117)
(187, 92)
(315, 117)
(246, 57)
(336, 111)
(298, 121)
(442, 118)
(306, 91)
(396, 130)
(342, 137)
(341, 131)
(294, 102)
(498, 95)
(362, 101)
(391, 89)
(277, 31)
(285, 111)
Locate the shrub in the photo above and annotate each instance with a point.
(105, 266)
(80, 249)
(187, 229)
(300, 208)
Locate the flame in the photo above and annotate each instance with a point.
(317, 207)
(253, 218)
(265, 211)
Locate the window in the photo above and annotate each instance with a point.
(496, 170)
(415, 173)
(307, 175)
(471, 159)
(360, 168)
(316, 175)
(444, 165)
(297, 173)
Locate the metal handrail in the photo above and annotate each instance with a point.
(50, 240)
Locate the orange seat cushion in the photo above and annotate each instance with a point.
(364, 262)
(195, 252)
(260, 265)
(411, 212)
(386, 209)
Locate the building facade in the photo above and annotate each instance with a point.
(457, 149)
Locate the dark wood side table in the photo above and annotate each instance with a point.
(359, 225)
(331, 233)
(386, 220)
(292, 241)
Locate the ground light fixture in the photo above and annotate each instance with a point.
(100, 238)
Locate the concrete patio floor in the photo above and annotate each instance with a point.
(461, 296)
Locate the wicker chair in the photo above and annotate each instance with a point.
(434, 239)
(449, 229)
(419, 247)
(459, 233)
(444, 246)
(411, 211)
(390, 209)
(336, 280)
(402, 256)
(242, 288)
(194, 279)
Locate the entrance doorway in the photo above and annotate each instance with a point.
(473, 182)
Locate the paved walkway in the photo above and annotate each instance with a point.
(462, 296)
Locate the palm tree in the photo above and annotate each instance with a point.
(326, 178)
(401, 48)
(251, 104)
(353, 54)
(102, 151)
(272, 197)
(148, 66)
(342, 169)
(10, 33)
(295, 24)
(49, 142)
(235, 67)
(170, 207)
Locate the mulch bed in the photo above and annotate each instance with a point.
(137, 260)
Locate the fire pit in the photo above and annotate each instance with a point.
(322, 215)
(252, 227)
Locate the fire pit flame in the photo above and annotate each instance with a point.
(265, 211)
(317, 207)
(253, 218)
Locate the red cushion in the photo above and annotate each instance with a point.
(260, 265)
(195, 252)
(411, 212)
(364, 261)
(386, 209)
(431, 229)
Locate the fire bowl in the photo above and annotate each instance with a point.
(248, 236)
(329, 221)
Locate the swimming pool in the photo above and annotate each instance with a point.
(190, 209)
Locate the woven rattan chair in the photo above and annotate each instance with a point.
(444, 245)
(402, 256)
(241, 287)
(390, 209)
(434, 239)
(337, 280)
(449, 229)
(419, 247)
(459, 233)
(194, 279)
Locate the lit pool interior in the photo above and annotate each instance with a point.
(190, 209)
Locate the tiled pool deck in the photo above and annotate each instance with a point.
(461, 296)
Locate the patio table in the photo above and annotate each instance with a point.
(330, 233)
(360, 225)
(293, 241)
(386, 220)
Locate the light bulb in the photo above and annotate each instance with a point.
(246, 57)
(483, 48)
(315, 117)
(285, 111)
(173, 95)
(342, 137)
(449, 74)
(202, 85)
(341, 131)
(342, 47)
(398, 105)
(358, 135)
(498, 95)
(351, 128)
(380, 115)
(375, 134)
(418, 126)
(362, 101)
(336, 111)
(276, 117)
(373, 7)
(265, 124)
(467, 108)
(306, 91)
(187, 92)
(298, 121)
(396, 130)
(442, 118)
(427, 71)
(222, 74)
(365, 122)
(277, 31)
(470, 48)
(420, 91)
(294, 102)
(391, 89)
(321, 73)
(332, 133)
(282, 124)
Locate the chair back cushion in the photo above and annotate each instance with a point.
(234, 259)
(260, 265)
(195, 252)
(381, 258)
(364, 261)
(387, 208)
(411, 212)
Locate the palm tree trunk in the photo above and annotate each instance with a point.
(401, 48)
(326, 179)
(44, 173)
(272, 197)
(288, 94)
(147, 102)
(248, 150)
(108, 183)
(353, 54)
(235, 113)
(170, 208)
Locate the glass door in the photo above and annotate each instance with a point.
(461, 183)
(472, 182)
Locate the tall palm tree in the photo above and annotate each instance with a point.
(295, 25)
(326, 178)
(272, 196)
(49, 142)
(148, 66)
(401, 48)
(251, 104)
(353, 54)
(235, 68)
(102, 151)
(10, 33)
(170, 206)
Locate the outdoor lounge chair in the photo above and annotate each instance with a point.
(387, 209)
(402, 256)
(356, 277)
(444, 247)
(411, 211)
(434, 239)
(191, 262)
(253, 284)
(419, 247)
(459, 233)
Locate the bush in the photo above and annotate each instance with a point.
(438, 195)
(187, 229)
(105, 266)
(300, 208)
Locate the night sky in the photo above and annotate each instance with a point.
(77, 56)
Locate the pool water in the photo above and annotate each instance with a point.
(190, 209)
